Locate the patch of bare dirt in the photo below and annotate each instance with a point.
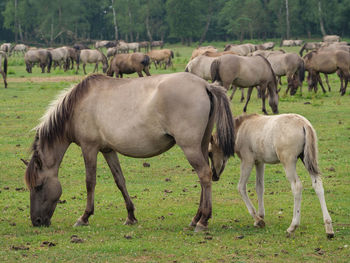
(47, 79)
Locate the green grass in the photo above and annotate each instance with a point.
(162, 234)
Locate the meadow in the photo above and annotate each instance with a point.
(166, 192)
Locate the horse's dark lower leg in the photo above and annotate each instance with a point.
(326, 78)
(139, 73)
(249, 93)
(242, 94)
(4, 77)
(113, 163)
(96, 67)
(320, 81)
(90, 159)
(84, 68)
(146, 70)
(234, 88)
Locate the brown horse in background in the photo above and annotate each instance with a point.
(41, 56)
(129, 63)
(135, 117)
(161, 56)
(3, 66)
(247, 72)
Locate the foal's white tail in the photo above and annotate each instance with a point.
(310, 150)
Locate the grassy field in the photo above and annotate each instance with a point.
(166, 194)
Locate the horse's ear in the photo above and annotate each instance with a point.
(25, 162)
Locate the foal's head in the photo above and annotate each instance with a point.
(217, 158)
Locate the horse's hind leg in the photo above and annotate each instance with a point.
(326, 78)
(318, 187)
(320, 81)
(4, 76)
(90, 159)
(246, 168)
(290, 169)
(249, 93)
(113, 163)
(96, 67)
(259, 187)
(139, 73)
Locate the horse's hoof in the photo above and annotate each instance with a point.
(200, 227)
(130, 221)
(192, 224)
(330, 235)
(81, 223)
(289, 234)
(260, 223)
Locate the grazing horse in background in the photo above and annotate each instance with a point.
(265, 46)
(72, 56)
(200, 66)
(157, 44)
(3, 66)
(310, 46)
(282, 139)
(159, 56)
(138, 118)
(200, 50)
(242, 50)
(247, 72)
(145, 45)
(79, 46)
(105, 43)
(6, 47)
(111, 51)
(122, 46)
(19, 49)
(129, 63)
(331, 38)
(92, 56)
(41, 56)
(60, 56)
(291, 66)
(327, 62)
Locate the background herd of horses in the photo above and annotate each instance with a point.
(91, 114)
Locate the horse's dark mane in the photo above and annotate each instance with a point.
(34, 164)
(310, 54)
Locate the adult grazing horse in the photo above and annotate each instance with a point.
(60, 56)
(327, 62)
(129, 63)
(92, 56)
(282, 139)
(138, 118)
(331, 38)
(158, 43)
(19, 49)
(290, 65)
(242, 50)
(200, 50)
(200, 66)
(41, 56)
(247, 72)
(3, 66)
(6, 47)
(159, 56)
(265, 46)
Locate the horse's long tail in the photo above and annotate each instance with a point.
(50, 62)
(224, 119)
(301, 72)
(5, 65)
(145, 61)
(302, 50)
(214, 70)
(310, 157)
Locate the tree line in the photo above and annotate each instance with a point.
(70, 21)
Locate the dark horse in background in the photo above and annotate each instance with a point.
(139, 117)
(3, 66)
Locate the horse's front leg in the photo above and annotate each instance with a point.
(146, 70)
(320, 81)
(96, 67)
(90, 159)
(113, 163)
(139, 73)
(263, 97)
(84, 65)
(249, 93)
(326, 78)
(4, 77)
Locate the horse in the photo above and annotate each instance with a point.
(331, 38)
(275, 139)
(200, 50)
(145, 45)
(72, 56)
(291, 66)
(327, 62)
(41, 56)
(105, 43)
(129, 63)
(6, 47)
(310, 46)
(159, 44)
(92, 56)
(60, 56)
(3, 66)
(111, 51)
(134, 46)
(200, 66)
(135, 117)
(159, 56)
(19, 49)
(79, 46)
(242, 50)
(265, 46)
(247, 72)
(122, 46)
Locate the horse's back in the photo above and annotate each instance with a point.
(141, 117)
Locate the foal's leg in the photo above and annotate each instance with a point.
(113, 163)
(291, 173)
(259, 187)
(317, 185)
(246, 168)
(90, 159)
(249, 93)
